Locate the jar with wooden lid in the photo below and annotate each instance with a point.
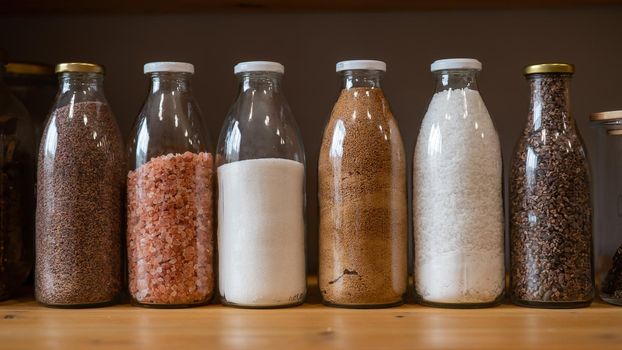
(607, 165)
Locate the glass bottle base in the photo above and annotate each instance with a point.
(167, 306)
(155, 305)
(494, 300)
(611, 300)
(552, 304)
(483, 305)
(249, 306)
(363, 306)
(79, 306)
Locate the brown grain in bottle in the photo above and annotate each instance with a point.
(362, 198)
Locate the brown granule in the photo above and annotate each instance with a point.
(362, 199)
(170, 230)
(551, 212)
(79, 207)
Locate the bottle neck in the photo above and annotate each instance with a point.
(265, 82)
(455, 79)
(549, 102)
(176, 82)
(361, 79)
(88, 83)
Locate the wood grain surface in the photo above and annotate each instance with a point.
(27, 325)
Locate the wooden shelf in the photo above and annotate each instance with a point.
(193, 6)
(26, 325)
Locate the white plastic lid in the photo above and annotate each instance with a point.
(456, 63)
(361, 64)
(258, 66)
(181, 67)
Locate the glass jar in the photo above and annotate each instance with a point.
(458, 218)
(79, 197)
(16, 191)
(550, 199)
(608, 205)
(362, 195)
(35, 85)
(261, 187)
(170, 195)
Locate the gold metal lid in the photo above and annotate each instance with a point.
(79, 67)
(28, 68)
(614, 132)
(549, 68)
(606, 116)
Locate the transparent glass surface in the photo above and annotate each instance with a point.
(608, 210)
(550, 203)
(79, 198)
(36, 92)
(16, 192)
(458, 199)
(261, 204)
(170, 198)
(362, 199)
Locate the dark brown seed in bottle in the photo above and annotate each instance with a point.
(79, 208)
(551, 213)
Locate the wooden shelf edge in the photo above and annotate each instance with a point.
(28, 303)
(193, 6)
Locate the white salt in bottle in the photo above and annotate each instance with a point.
(457, 195)
(261, 165)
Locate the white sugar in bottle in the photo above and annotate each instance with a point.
(261, 225)
(261, 232)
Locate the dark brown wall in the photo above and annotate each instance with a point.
(310, 44)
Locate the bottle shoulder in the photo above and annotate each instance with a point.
(260, 130)
(456, 125)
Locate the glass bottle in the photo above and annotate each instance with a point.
(458, 195)
(35, 86)
(608, 205)
(79, 197)
(16, 191)
(170, 195)
(362, 195)
(550, 199)
(261, 204)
